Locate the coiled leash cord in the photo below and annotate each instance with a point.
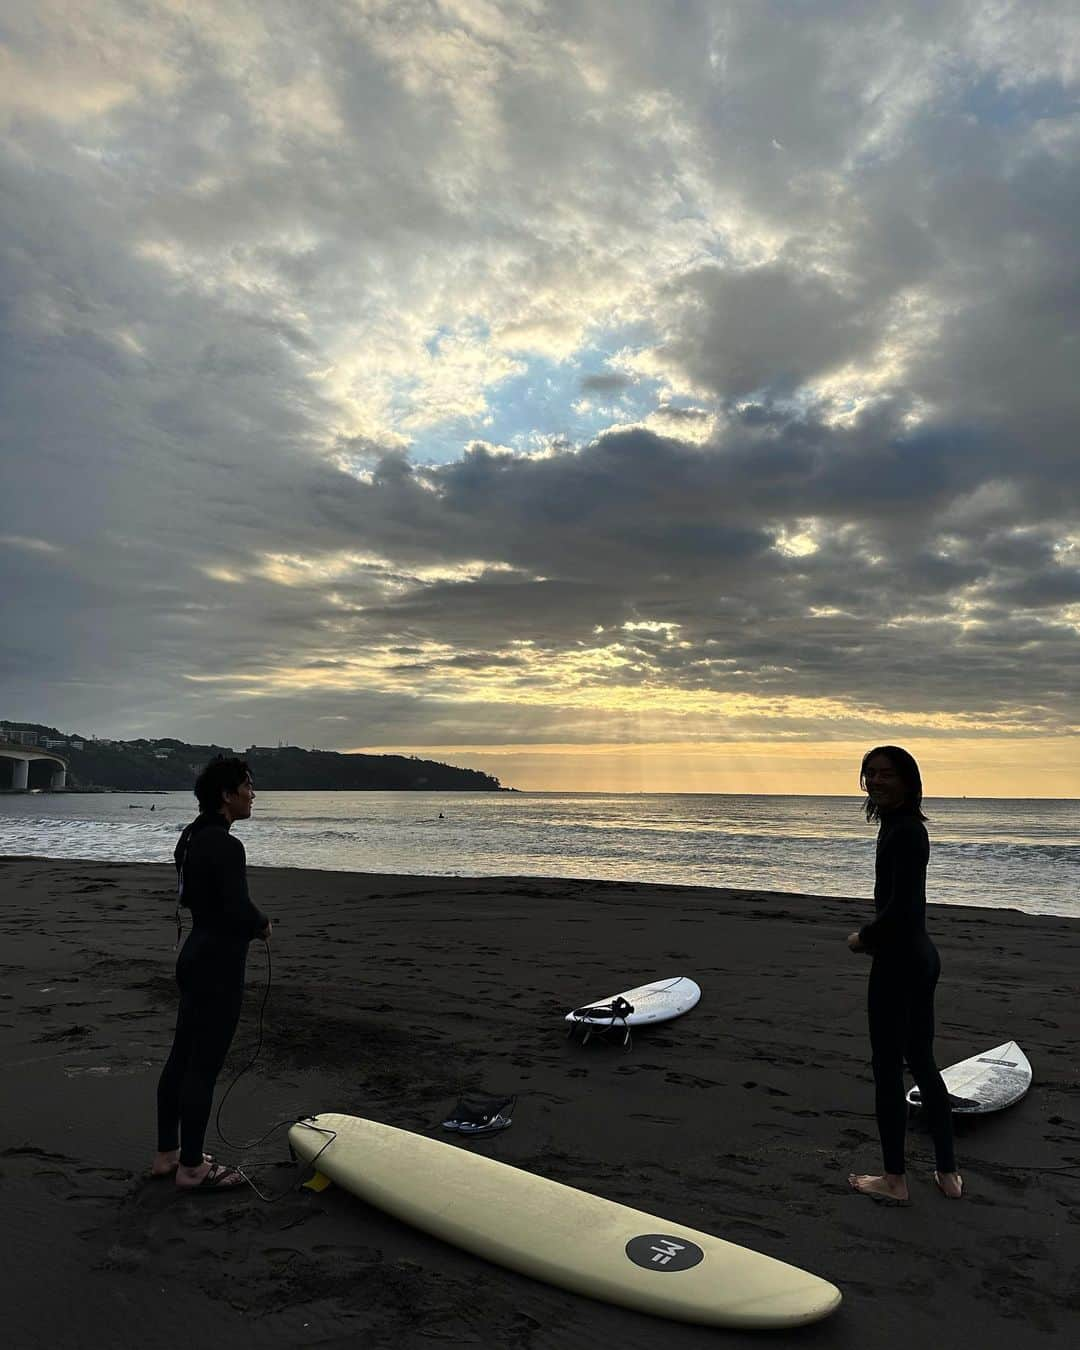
(254, 1143)
(281, 1124)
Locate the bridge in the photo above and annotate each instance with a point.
(24, 755)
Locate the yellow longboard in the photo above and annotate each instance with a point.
(559, 1234)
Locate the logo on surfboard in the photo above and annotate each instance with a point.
(659, 1251)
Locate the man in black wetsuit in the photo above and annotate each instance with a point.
(903, 976)
(212, 880)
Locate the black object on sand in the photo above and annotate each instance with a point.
(484, 1115)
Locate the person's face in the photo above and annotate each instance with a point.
(237, 805)
(884, 786)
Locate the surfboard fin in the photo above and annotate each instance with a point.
(317, 1183)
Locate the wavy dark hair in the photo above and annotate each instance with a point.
(905, 765)
(221, 775)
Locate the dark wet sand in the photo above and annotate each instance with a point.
(391, 995)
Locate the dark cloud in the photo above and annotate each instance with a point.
(765, 330)
(672, 414)
(605, 383)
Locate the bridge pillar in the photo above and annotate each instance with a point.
(21, 776)
(59, 779)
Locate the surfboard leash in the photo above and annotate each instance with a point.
(249, 1065)
(307, 1119)
(618, 1010)
(309, 1123)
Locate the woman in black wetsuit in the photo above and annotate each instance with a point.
(211, 872)
(903, 976)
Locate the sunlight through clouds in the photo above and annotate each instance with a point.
(480, 372)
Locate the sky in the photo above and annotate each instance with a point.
(654, 396)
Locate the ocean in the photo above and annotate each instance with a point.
(1022, 854)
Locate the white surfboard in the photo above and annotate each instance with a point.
(659, 1001)
(988, 1082)
(557, 1233)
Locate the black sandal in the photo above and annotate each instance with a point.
(480, 1117)
(215, 1180)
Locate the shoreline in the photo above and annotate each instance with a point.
(541, 879)
(392, 995)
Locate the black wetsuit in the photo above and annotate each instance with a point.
(901, 991)
(212, 869)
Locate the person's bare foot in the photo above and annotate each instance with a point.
(950, 1184)
(165, 1164)
(890, 1189)
(208, 1176)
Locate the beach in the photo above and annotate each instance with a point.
(391, 996)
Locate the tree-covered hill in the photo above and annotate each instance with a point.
(166, 764)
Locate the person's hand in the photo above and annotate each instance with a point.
(265, 934)
(854, 944)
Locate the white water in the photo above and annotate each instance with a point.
(1012, 854)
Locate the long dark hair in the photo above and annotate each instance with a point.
(905, 765)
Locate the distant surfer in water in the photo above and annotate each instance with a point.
(211, 870)
(903, 976)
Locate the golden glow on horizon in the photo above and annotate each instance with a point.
(961, 767)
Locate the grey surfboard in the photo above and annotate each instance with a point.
(987, 1082)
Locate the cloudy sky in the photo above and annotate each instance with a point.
(653, 394)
